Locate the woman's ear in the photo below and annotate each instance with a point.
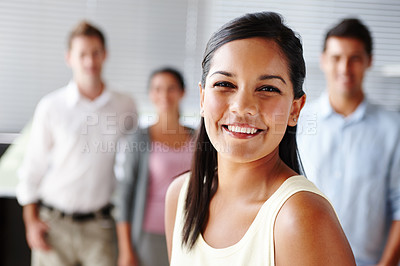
(297, 105)
(201, 99)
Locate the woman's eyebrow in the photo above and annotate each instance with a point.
(264, 77)
(228, 74)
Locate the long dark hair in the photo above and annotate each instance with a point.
(203, 181)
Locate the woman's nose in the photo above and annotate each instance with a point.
(244, 103)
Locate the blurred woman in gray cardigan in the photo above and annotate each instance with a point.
(153, 157)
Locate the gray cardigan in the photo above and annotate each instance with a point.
(131, 194)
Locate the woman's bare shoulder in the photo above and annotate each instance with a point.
(171, 204)
(175, 187)
(172, 196)
(307, 227)
(305, 205)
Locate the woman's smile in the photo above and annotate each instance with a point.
(241, 131)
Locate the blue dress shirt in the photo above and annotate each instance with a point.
(355, 162)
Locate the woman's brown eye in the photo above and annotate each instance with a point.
(269, 89)
(224, 84)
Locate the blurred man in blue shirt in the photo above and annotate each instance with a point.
(351, 149)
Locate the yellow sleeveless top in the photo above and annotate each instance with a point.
(257, 245)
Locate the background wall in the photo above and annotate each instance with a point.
(146, 34)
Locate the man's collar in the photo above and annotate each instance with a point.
(359, 113)
(325, 105)
(103, 98)
(327, 110)
(74, 96)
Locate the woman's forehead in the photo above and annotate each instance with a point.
(253, 55)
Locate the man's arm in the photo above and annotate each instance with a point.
(37, 155)
(31, 172)
(36, 229)
(391, 253)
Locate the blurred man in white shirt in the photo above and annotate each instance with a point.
(67, 179)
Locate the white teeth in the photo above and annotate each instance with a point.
(247, 130)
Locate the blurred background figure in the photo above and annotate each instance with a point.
(153, 158)
(67, 175)
(352, 151)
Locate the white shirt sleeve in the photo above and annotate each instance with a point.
(37, 156)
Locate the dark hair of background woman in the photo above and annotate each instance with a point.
(169, 70)
(203, 181)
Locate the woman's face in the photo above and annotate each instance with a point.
(248, 99)
(165, 92)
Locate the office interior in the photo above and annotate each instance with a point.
(146, 34)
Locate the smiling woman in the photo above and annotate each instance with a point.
(246, 94)
(244, 202)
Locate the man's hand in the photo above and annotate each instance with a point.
(36, 229)
(36, 235)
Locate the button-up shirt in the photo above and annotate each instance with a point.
(355, 162)
(70, 158)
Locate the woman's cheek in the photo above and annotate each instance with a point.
(277, 115)
(214, 105)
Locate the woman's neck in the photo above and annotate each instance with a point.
(168, 121)
(258, 179)
(169, 131)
